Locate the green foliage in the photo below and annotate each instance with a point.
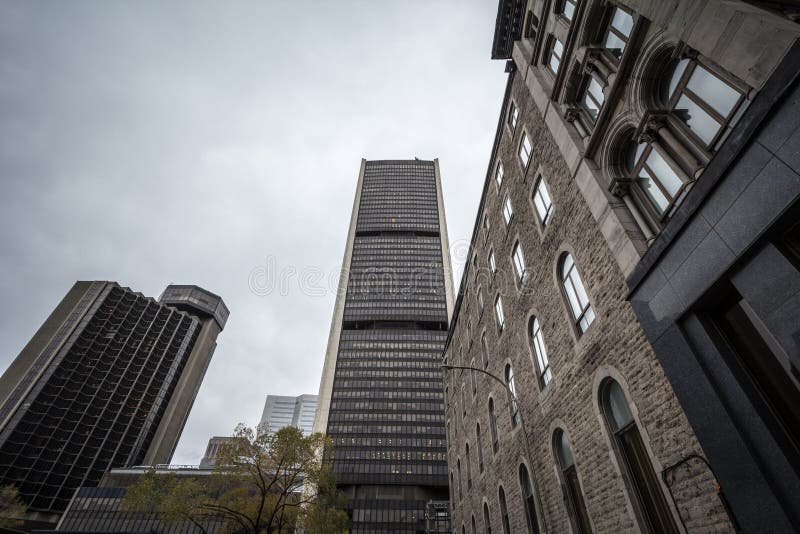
(12, 509)
(262, 484)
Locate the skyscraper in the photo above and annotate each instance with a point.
(281, 411)
(107, 381)
(381, 398)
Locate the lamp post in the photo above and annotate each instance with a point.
(526, 443)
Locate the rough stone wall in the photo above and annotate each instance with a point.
(613, 346)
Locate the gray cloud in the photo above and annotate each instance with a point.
(187, 142)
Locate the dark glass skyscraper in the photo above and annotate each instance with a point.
(107, 381)
(381, 395)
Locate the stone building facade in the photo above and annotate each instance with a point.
(614, 114)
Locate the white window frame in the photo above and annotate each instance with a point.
(518, 260)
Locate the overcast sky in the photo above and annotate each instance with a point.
(158, 142)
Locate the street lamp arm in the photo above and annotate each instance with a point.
(487, 373)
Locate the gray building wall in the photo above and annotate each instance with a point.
(600, 221)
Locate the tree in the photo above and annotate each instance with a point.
(12, 509)
(263, 483)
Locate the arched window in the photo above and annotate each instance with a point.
(474, 527)
(501, 496)
(463, 531)
(527, 499)
(498, 313)
(513, 408)
(473, 377)
(628, 444)
(539, 349)
(702, 100)
(469, 467)
(518, 260)
(659, 180)
(569, 478)
(578, 300)
(487, 520)
(479, 444)
(493, 426)
(485, 351)
(452, 489)
(498, 175)
(460, 488)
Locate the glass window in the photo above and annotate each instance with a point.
(542, 201)
(519, 262)
(525, 150)
(458, 470)
(513, 407)
(532, 26)
(487, 520)
(492, 265)
(578, 300)
(474, 527)
(498, 174)
(655, 178)
(513, 116)
(469, 467)
(504, 511)
(480, 300)
(527, 499)
(568, 9)
(593, 98)
(618, 32)
(473, 379)
(556, 55)
(703, 101)
(650, 500)
(479, 444)
(498, 312)
(486, 226)
(485, 351)
(507, 211)
(493, 426)
(569, 477)
(542, 362)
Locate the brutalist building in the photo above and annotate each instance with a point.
(381, 396)
(107, 381)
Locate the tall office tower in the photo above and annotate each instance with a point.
(381, 398)
(107, 381)
(281, 411)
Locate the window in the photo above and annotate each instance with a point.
(569, 478)
(492, 264)
(486, 226)
(618, 33)
(475, 266)
(493, 426)
(650, 501)
(458, 470)
(480, 301)
(485, 351)
(532, 26)
(469, 467)
(498, 174)
(578, 300)
(474, 527)
(498, 312)
(701, 100)
(542, 201)
(527, 499)
(463, 403)
(655, 178)
(519, 262)
(542, 363)
(452, 488)
(473, 378)
(487, 520)
(556, 55)
(469, 336)
(513, 407)
(479, 444)
(513, 117)
(525, 150)
(501, 495)
(507, 211)
(593, 98)
(568, 9)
